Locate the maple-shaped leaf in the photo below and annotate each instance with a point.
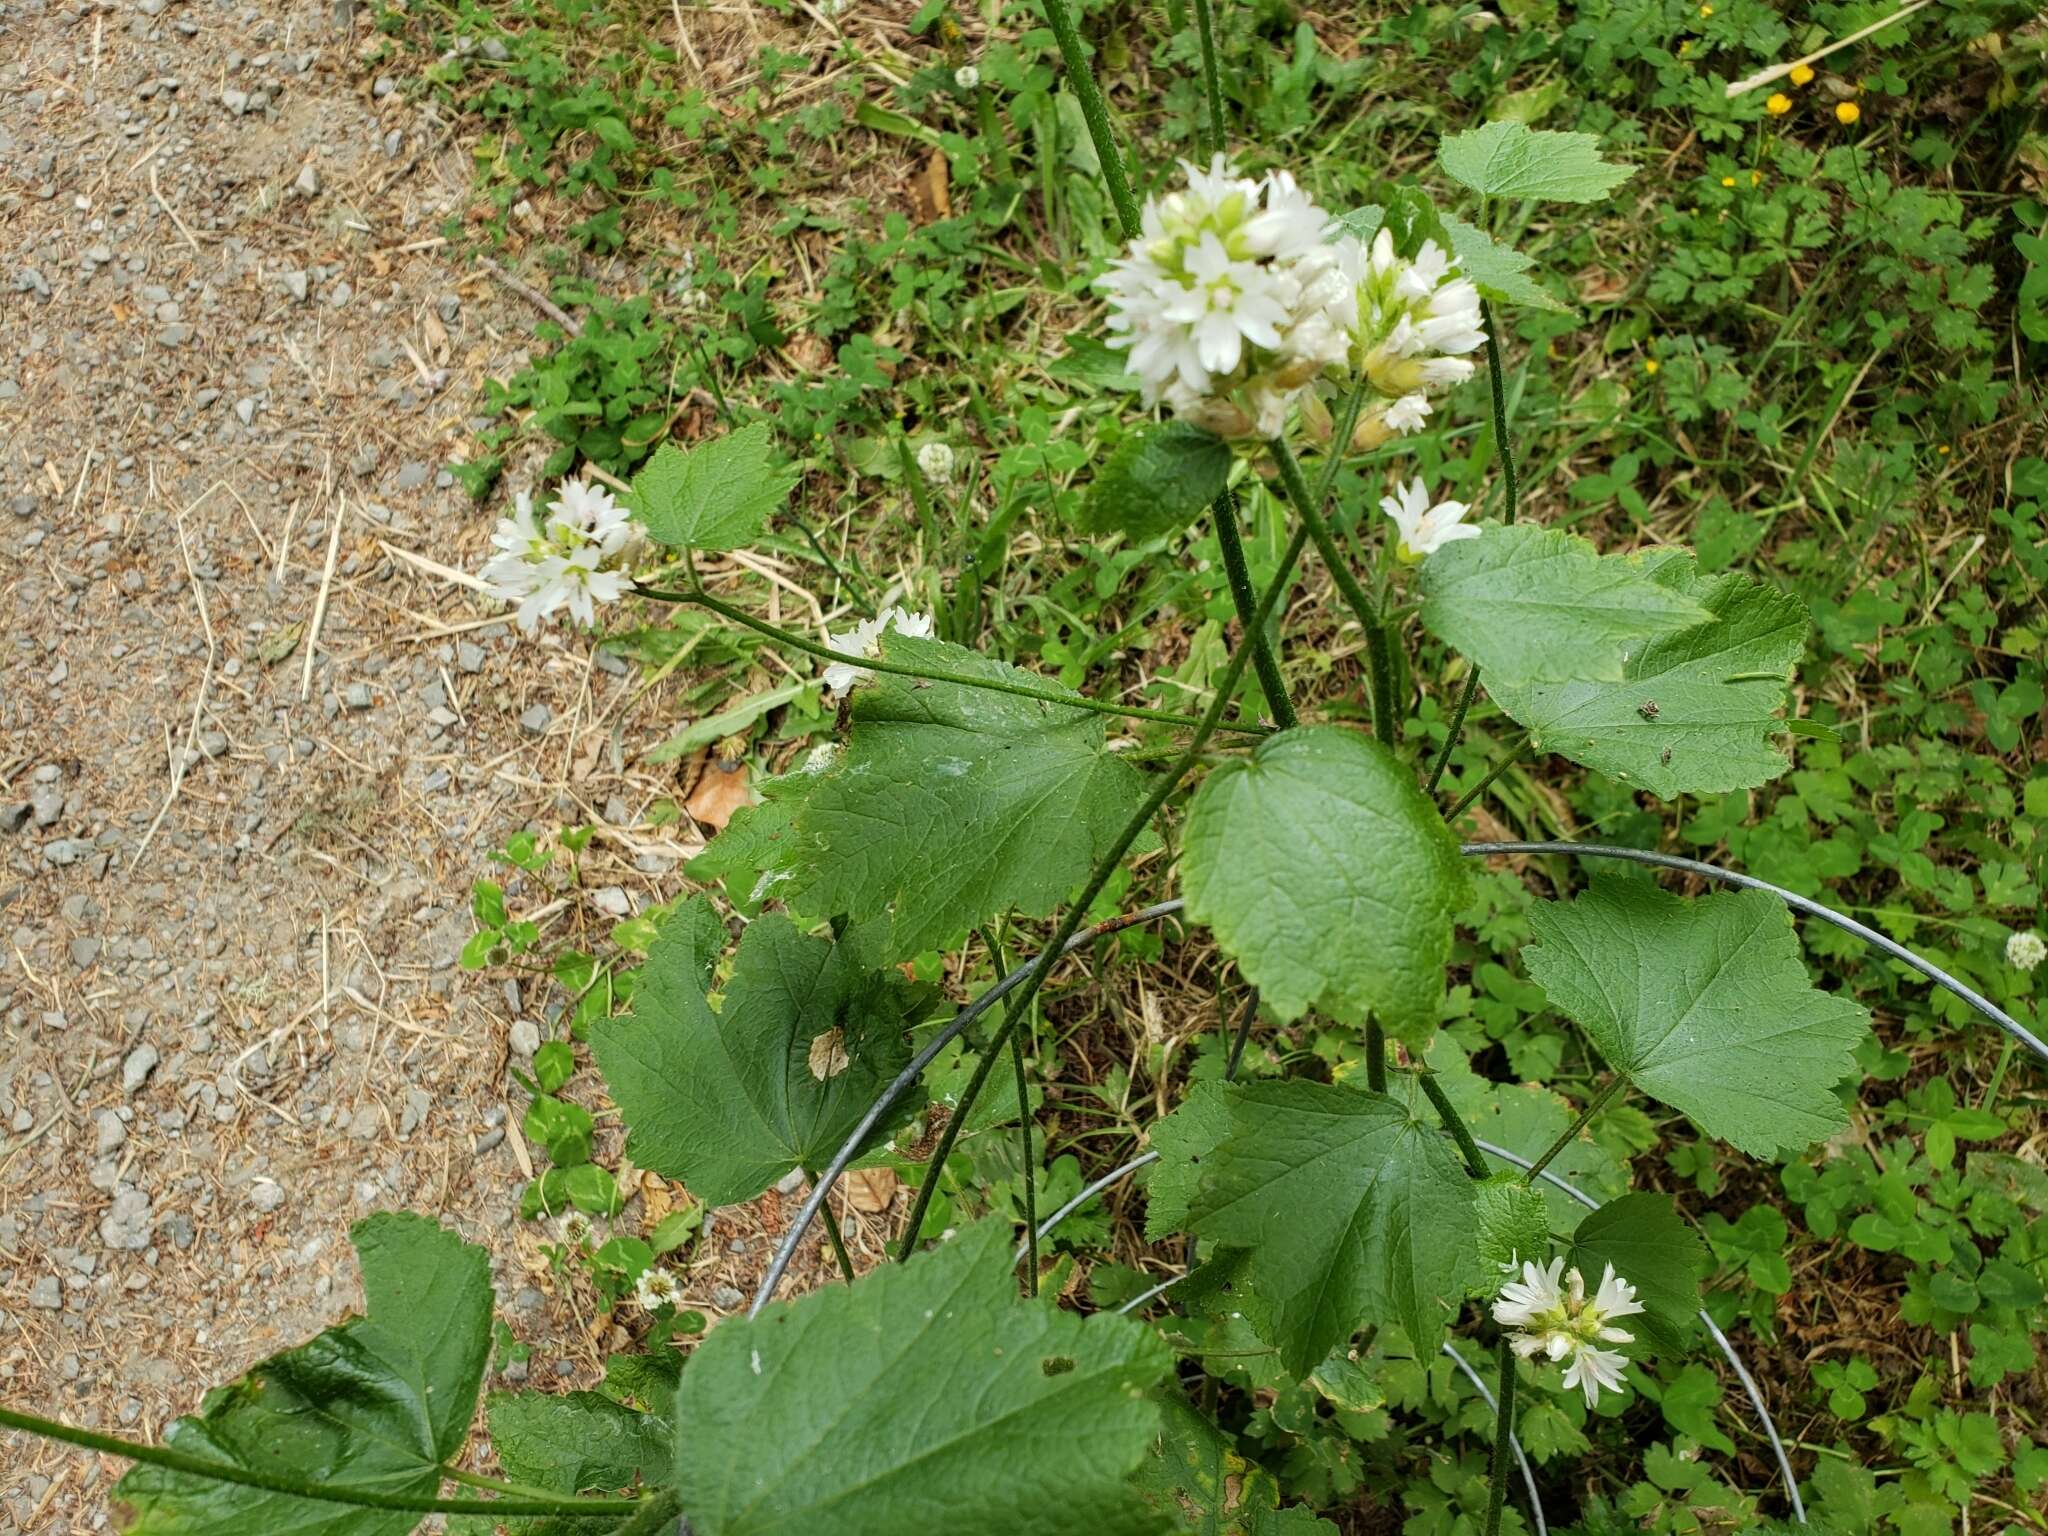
(729, 1100)
(927, 1396)
(1705, 1005)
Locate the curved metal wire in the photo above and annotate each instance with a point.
(1514, 1440)
(903, 1080)
(1756, 1397)
(1798, 903)
(1089, 1192)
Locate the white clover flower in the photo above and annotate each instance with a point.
(1231, 299)
(574, 1228)
(545, 564)
(657, 1287)
(1425, 529)
(935, 459)
(1549, 1315)
(967, 77)
(2025, 950)
(865, 639)
(1407, 414)
(1415, 319)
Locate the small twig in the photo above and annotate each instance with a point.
(179, 758)
(320, 603)
(533, 296)
(170, 212)
(1779, 71)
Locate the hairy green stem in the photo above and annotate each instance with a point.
(1362, 606)
(1514, 755)
(1212, 76)
(1454, 1122)
(1503, 1437)
(1021, 1001)
(1094, 112)
(810, 647)
(1375, 1054)
(326, 1493)
(1030, 1176)
(1593, 1107)
(1496, 370)
(838, 1240)
(1264, 662)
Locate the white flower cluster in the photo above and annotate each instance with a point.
(865, 640)
(1237, 293)
(657, 1287)
(559, 561)
(2025, 950)
(1550, 1315)
(1417, 320)
(1231, 299)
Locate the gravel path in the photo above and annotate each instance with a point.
(233, 889)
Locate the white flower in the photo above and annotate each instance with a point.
(1415, 319)
(1548, 1315)
(657, 1287)
(935, 459)
(1407, 414)
(865, 640)
(574, 1227)
(1424, 529)
(967, 77)
(559, 562)
(2025, 950)
(1231, 299)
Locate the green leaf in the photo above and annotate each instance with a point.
(1354, 1208)
(730, 721)
(1362, 223)
(951, 805)
(1182, 1140)
(1509, 159)
(1329, 877)
(1514, 1223)
(1161, 477)
(1705, 1006)
(1201, 1486)
(553, 1065)
(1534, 605)
(717, 495)
(377, 1402)
(1651, 1246)
(925, 1394)
(1501, 273)
(578, 1443)
(1689, 1401)
(732, 1100)
(1695, 710)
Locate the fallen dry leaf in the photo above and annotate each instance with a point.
(870, 1189)
(931, 194)
(720, 791)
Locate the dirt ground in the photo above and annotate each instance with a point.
(252, 750)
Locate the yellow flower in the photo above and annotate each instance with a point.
(1651, 365)
(1802, 74)
(1779, 104)
(1727, 181)
(1684, 47)
(1756, 178)
(1847, 112)
(1706, 10)
(1943, 450)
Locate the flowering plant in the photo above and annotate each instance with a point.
(1325, 1219)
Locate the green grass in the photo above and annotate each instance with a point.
(1810, 349)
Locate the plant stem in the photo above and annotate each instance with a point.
(1231, 539)
(1094, 112)
(1453, 1122)
(1077, 912)
(739, 616)
(270, 1482)
(1241, 1034)
(1495, 371)
(1030, 1176)
(1362, 606)
(1375, 1054)
(1571, 1131)
(1503, 1435)
(1514, 755)
(838, 1240)
(1212, 77)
